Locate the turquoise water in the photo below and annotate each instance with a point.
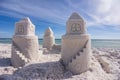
(98, 43)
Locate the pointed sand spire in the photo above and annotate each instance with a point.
(26, 19)
(25, 27)
(75, 16)
(76, 24)
(48, 32)
(49, 39)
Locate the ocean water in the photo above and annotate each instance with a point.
(97, 43)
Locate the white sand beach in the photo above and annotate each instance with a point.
(105, 65)
(59, 40)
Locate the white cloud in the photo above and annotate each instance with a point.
(104, 6)
(108, 12)
(101, 11)
(37, 11)
(11, 14)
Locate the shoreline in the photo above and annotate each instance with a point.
(95, 43)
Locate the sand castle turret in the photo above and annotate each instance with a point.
(25, 44)
(76, 45)
(49, 39)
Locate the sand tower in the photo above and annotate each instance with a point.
(49, 39)
(25, 44)
(76, 45)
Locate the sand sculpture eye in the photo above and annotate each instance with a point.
(21, 29)
(76, 27)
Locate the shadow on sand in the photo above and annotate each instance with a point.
(5, 62)
(39, 71)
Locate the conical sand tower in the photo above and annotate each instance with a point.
(49, 39)
(76, 45)
(25, 44)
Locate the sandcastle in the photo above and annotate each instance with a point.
(75, 48)
(25, 44)
(49, 39)
(76, 45)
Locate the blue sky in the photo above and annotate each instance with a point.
(102, 16)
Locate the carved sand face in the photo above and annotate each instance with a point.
(76, 27)
(21, 29)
